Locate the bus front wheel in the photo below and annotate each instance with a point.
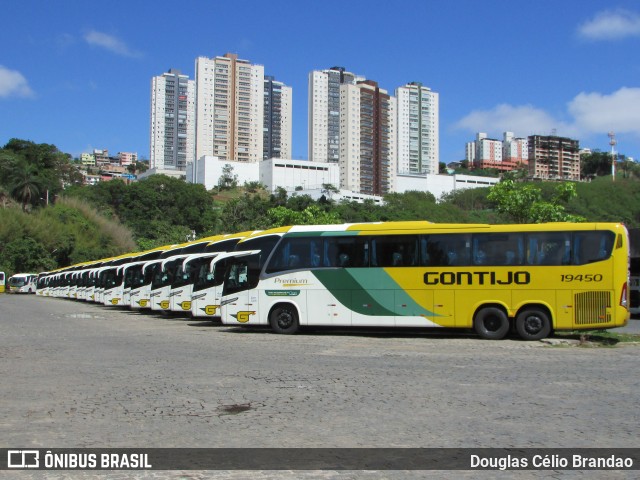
(284, 319)
(491, 323)
(533, 324)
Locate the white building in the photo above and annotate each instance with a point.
(439, 185)
(418, 129)
(515, 151)
(172, 121)
(298, 174)
(300, 177)
(292, 175)
(324, 112)
(488, 149)
(230, 108)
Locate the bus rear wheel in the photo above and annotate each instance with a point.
(533, 324)
(491, 323)
(284, 319)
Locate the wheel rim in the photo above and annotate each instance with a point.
(492, 323)
(533, 324)
(285, 319)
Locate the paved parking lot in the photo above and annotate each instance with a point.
(81, 375)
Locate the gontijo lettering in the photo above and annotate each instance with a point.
(477, 278)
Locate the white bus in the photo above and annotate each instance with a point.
(23, 283)
(170, 268)
(2, 282)
(194, 268)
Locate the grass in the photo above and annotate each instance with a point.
(603, 338)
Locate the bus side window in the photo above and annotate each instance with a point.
(347, 252)
(592, 247)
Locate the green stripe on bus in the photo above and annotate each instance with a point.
(343, 282)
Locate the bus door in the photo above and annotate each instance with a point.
(240, 302)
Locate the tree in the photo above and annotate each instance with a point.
(523, 203)
(227, 180)
(595, 164)
(24, 183)
(329, 190)
(312, 215)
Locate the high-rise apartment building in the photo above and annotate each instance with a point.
(418, 128)
(515, 151)
(554, 158)
(488, 151)
(230, 108)
(506, 154)
(172, 121)
(367, 136)
(277, 138)
(324, 112)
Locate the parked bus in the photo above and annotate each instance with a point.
(23, 283)
(2, 282)
(166, 271)
(195, 277)
(634, 286)
(532, 279)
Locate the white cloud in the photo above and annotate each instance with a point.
(619, 111)
(110, 43)
(13, 83)
(522, 120)
(611, 25)
(589, 113)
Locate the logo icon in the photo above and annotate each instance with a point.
(210, 309)
(23, 459)
(186, 305)
(243, 317)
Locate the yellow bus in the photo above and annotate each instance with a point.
(527, 279)
(2, 282)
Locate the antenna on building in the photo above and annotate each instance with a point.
(613, 142)
(554, 132)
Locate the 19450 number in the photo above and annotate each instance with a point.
(581, 278)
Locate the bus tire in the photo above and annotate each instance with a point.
(491, 323)
(533, 324)
(284, 319)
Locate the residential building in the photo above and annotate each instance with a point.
(418, 129)
(554, 158)
(515, 152)
(172, 121)
(504, 155)
(127, 158)
(101, 157)
(488, 151)
(367, 138)
(277, 123)
(230, 108)
(324, 112)
(88, 159)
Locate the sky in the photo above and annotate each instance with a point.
(77, 74)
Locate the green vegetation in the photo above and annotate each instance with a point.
(600, 337)
(48, 219)
(63, 234)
